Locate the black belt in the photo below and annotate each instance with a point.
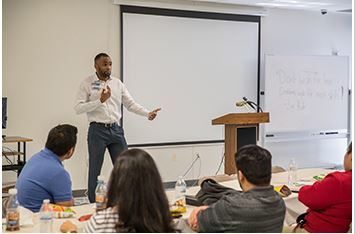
(106, 125)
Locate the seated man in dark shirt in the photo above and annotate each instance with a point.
(258, 208)
(44, 176)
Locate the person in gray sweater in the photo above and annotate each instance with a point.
(258, 208)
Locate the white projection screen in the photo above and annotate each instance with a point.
(194, 65)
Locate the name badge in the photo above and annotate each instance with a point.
(96, 85)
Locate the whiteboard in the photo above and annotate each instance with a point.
(195, 69)
(306, 93)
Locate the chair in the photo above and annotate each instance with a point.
(277, 169)
(218, 178)
(5, 202)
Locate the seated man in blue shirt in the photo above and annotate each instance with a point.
(44, 176)
(258, 208)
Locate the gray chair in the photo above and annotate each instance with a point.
(277, 169)
(219, 178)
(5, 201)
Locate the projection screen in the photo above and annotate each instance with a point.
(194, 65)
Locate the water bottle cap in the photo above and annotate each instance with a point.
(13, 191)
(46, 201)
(101, 177)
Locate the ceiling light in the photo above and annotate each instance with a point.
(318, 3)
(271, 4)
(287, 1)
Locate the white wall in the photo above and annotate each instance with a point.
(289, 32)
(48, 48)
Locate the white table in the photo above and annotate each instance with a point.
(293, 206)
(34, 217)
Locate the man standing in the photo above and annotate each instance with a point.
(258, 208)
(100, 96)
(43, 176)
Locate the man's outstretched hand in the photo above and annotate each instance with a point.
(153, 114)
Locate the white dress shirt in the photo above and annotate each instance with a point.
(88, 100)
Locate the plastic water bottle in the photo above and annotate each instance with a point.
(292, 172)
(100, 193)
(46, 217)
(12, 212)
(180, 193)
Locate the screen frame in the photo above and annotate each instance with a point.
(186, 14)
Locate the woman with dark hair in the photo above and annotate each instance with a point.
(136, 198)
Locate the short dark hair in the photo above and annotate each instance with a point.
(61, 139)
(98, 56)
(255, 164)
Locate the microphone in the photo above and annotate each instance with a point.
(248, 102)
(241, 103)
(252, 104)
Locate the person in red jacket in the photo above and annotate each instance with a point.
(329, 201)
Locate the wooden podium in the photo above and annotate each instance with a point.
(240, 129)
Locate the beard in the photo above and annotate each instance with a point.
(107, 73)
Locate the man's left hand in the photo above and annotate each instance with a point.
(193, 222)
(153, 114)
